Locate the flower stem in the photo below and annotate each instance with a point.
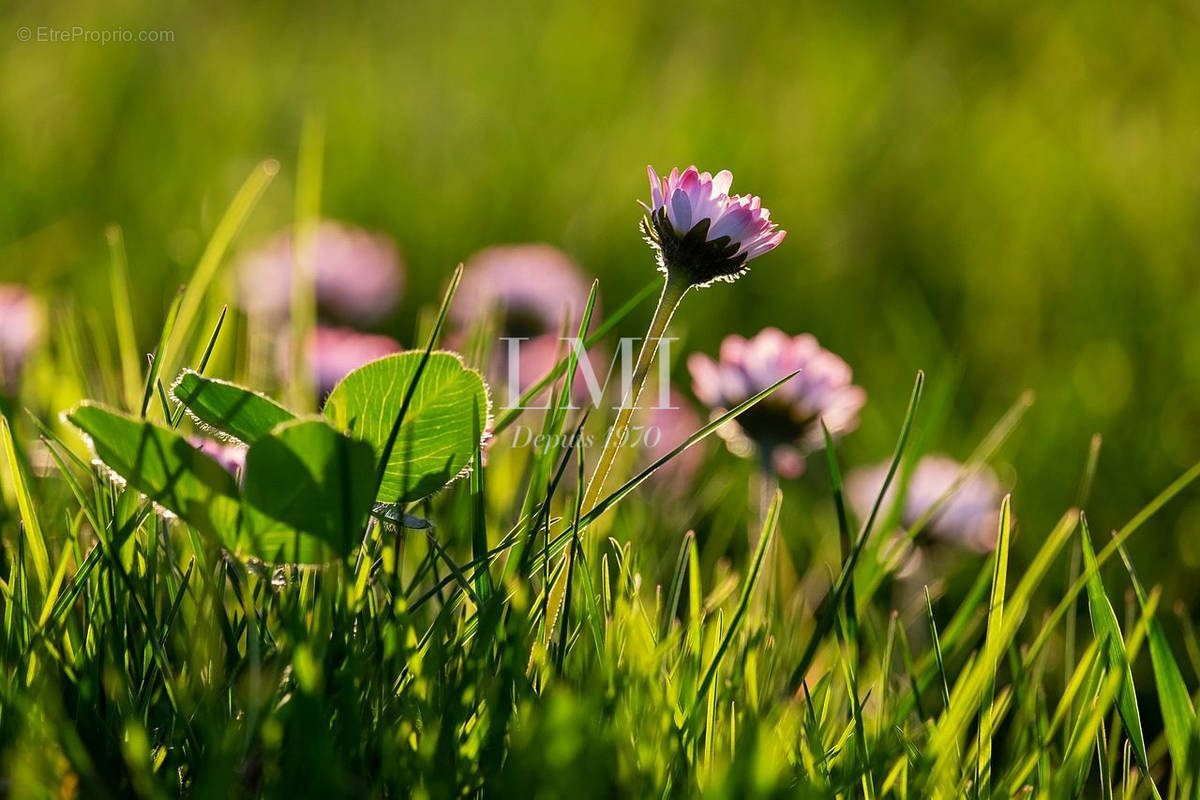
(768, 484)
(672, 294)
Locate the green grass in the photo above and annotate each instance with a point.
(998, 198)
(140, 658)
(1000, 194)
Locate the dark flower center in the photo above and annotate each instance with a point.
(523, 323)
(689, 256)
(770, 424)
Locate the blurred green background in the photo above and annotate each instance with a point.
(1002, 193)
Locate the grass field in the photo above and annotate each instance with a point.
(974, 583)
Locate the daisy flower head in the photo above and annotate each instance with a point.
(358, 274)
(783, 428)
(700, 232)
(969, 516)
(533, 288)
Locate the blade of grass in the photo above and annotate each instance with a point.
(839, 504)
(1107, 629)
(159, 350)
(479, 545)
(993, 646)
(826, 619)
(937, 651)
(681, 562)
(302, 318)
(31, 527)
(210, 260)
(966, 697)
(1131, 527)
(764, 540)
(131, 369)
(1085, 491)
(1093, 717)
(1179, 716)
(208, 350)
(573, 554)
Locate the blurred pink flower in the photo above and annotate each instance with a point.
(232, 457)
(701, 231)
(784, 427)
(968, 518)
(359, 276)
(333, 353)
(532, 289)
(22, 324)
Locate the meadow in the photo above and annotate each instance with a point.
(325, 464)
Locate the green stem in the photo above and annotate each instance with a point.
(768, 485)
(672, 294)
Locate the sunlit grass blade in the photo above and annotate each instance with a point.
(1067, 778)
(156, 359)
(910, 671)
(936, 643)
(829, 614)
(56, 583)
(192, 300)
(479, 544)
(764, 541)
(303, 300)
(1179, 716)
(1108, 630)
(681, 562)
(552, 426)
(964, 700)
(204, 358)
(850, 676)
(31, 527)
(1084, 494)
(993, 644)
(131, 369)
(1121, 536)
(695, 600)
(839, 504)
(573, 556)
